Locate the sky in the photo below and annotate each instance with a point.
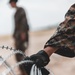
(40, 13)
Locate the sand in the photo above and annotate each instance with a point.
(58, 65)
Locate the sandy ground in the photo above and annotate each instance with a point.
(58, 65)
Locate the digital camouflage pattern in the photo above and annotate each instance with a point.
(64, 36)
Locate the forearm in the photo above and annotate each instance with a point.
(50, 50)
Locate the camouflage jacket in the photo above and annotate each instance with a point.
(64, 37)
(21, 24)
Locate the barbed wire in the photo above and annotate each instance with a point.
(14, 52)
(3, 61)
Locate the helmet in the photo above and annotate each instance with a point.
(13, 1)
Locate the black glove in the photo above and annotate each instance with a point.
(27, 67)
(41, 59)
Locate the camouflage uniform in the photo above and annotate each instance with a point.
(21, 26)
(64, 37)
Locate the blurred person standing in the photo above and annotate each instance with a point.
(21, 30)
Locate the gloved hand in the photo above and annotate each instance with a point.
(41, 59)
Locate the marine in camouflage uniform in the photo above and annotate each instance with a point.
(64, 37)
(21, 31)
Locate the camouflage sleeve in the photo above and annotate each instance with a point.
(64, 37)
(65, 31)
(70, 13)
